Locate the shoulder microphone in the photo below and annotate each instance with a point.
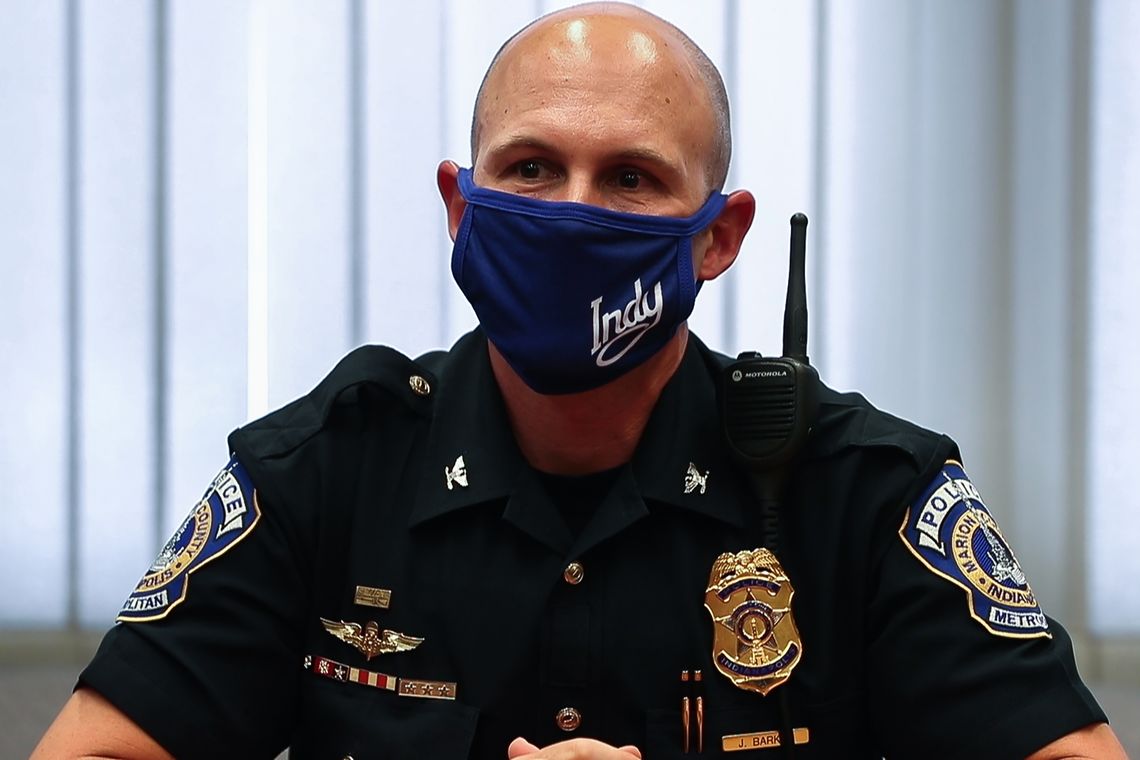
(768, 404)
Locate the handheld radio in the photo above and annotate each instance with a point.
(768, 404)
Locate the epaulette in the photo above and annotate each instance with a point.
(848, 420)
(378, 368)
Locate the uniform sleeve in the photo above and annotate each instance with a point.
(205, 653)
(961, 660)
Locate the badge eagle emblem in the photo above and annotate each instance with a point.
(369, 639)
(755, 641)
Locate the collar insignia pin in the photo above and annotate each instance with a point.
(369, 639)
(756, 644)
(457, 473)
(694, 479)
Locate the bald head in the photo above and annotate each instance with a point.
(594, 32)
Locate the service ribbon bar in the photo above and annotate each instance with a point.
(405, 687)
(338, 671)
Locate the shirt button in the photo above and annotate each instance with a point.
(568, 719)
(419, 386)
(574, 573)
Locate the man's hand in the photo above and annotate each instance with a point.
(575, 749)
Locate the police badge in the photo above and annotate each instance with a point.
(755, 641)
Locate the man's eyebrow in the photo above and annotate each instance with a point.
(636, 153)
(520, 141)
(647, 155)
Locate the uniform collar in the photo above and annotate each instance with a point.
(470, 421)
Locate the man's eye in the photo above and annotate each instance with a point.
(529, 169)
(629, 179)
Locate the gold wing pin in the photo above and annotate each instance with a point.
(369, 639)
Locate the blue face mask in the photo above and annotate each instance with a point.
(573, 295)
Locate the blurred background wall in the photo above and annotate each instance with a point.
(204, 203)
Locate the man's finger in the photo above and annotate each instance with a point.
(574, 749)
(521, 747)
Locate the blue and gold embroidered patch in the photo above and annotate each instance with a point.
(950, 531)
(225, 515)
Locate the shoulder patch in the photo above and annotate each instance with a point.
(952, 533)
(226, 514)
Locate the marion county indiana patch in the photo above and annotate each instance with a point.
(950, 530)
(225, 515)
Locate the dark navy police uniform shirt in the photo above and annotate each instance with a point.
(404, 476)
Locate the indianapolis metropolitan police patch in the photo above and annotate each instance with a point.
(950, 531)
(225, 515)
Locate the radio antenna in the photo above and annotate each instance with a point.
(795, 308)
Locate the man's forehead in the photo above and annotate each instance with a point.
(599, 50)
(596, 29)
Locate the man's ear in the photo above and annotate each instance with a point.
(447, 178)
(726, 233)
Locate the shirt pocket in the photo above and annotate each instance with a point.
(341, 720)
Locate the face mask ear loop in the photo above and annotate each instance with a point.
(459, 253)
(687, 284)
(690, 286)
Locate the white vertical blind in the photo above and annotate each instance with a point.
(117, 320)
(916, 216)
(308, 193)
(405, 122)
(956, 266)
(206, 206)
(1114, 377)
(34, 347)
(257, 193)
(774, 102)
(1048, 256)
(870, 143)
(952, 199)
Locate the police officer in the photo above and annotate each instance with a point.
(536, 546)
